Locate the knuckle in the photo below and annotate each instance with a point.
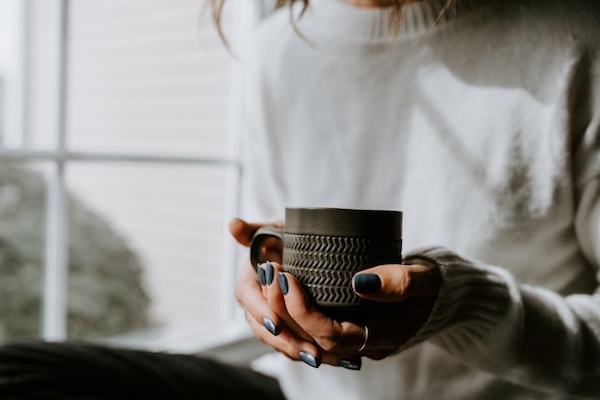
(276, 302)
(406, 280)
(328, 344)
(239, 295)
(250, 318)
(286, 348)
(291, 353)
(261, 334)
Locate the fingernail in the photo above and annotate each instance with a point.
(309, 359)
(261, 276)
(352, 364)
(283, 283)
(367, 283)
(270, 274)
(270, 325)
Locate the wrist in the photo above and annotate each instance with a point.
(472, 298)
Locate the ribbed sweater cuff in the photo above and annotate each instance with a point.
(472, 302)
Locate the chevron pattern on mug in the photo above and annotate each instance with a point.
(325, 264)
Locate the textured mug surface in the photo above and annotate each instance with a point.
(324, 247)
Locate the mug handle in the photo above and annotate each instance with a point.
(258, 240)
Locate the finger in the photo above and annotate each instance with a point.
(276, 288)
(243, 231)
(351, 362)
(288, 343)
(397, 282)
(279, 287)
(340, 337)
(249, 294)
(262, 279)
(348, 361)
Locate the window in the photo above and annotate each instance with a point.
(119, 171)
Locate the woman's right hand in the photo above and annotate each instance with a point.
(264, 297)
(251, 293)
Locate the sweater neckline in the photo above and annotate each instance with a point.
(336, 18)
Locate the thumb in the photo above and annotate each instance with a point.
(242, 231)
(397, 282)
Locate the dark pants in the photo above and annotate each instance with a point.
(83, 371)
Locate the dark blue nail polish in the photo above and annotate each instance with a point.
(270, 274)
(261, 276)
(367, 283)
(283, 283)
(309, 359)
(270, 325)
(352, 364)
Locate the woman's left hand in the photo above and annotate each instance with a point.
(407, 293)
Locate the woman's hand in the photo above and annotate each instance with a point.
(282, 314)
(252, 290)
(405, 295)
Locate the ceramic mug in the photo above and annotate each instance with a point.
(324, 247)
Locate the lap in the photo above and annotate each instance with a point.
(69, 370)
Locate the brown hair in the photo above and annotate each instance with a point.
(396, 11)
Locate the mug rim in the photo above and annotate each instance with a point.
(347, 222)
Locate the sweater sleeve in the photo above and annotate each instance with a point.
(528, 335)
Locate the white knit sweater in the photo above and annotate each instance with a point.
(484, 129)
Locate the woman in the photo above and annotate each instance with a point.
(480, 120)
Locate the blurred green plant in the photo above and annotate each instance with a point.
(106, 293)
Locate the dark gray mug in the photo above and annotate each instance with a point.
(324, 247)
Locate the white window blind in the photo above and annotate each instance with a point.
(148, 147)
